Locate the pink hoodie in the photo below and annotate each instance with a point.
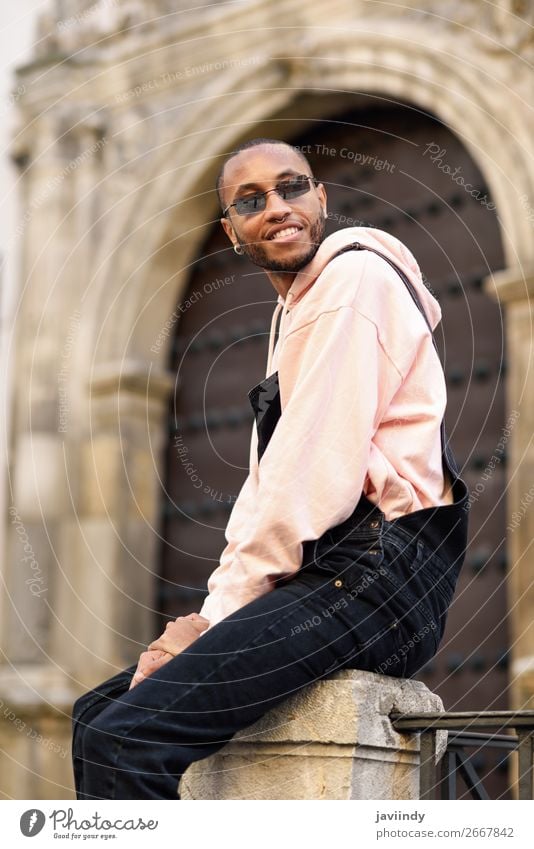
(362, 394)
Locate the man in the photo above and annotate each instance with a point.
(345, 543)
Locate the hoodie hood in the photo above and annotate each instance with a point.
(380, 241)
(366, 236)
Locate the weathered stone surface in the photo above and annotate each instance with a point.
(35, 732)
(334, 740)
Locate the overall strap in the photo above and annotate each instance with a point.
(356, 246)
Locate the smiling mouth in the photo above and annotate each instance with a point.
(286, 234)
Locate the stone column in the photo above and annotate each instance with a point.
(37, 495)
(109, 547)
(60, 160)
(35, 733)
(514, 288)
(333, 740)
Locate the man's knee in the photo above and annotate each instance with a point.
(82, 704)
(103, 695)
(102, 737)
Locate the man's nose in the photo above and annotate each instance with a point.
(275, 205)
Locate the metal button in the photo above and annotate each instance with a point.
(338, 583)
(373, 551)
(374, 523)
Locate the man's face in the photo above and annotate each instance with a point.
(259, 169)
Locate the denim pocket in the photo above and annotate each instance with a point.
(351, 558)
(402, 548)
(412, 598)
(412, 594)
(431, 580)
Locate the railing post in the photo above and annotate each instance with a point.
(448, 787)
(428, 782)
(525, 752)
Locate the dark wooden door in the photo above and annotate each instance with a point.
(404, 172)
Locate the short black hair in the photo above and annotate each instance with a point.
(244, 146)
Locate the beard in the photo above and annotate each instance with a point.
(258, 255)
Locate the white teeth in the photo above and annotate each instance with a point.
(287, 232)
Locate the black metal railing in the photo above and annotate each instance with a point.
(439, 780)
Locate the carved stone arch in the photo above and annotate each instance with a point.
(493, 123)
(406, 71)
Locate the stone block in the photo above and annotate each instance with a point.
(333, 740)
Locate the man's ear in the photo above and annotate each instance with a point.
(321, 191)
(229, 230)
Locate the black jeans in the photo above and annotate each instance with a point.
(375, 599)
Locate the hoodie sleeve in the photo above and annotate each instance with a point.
(239, 516)
(335, 381)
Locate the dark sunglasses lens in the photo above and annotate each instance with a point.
(293, 188)
(254, 203)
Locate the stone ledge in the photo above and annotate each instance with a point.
(333, 740)
(33, 689)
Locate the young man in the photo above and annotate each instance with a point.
(346, 540)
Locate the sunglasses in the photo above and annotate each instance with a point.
(286, 189)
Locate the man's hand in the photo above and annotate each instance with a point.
(149, 662)
(177, 636)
